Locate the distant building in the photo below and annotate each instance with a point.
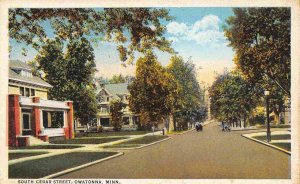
(31, 114)
(108, 92)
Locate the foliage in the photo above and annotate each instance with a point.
(151, 91)
(258, 116)
(70, 74)
(116, 113)
(262, 42)
(132, 29)
(187, 94)
(232, 98)
(120, 79)
(57, 119)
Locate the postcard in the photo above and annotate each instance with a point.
(101, 92)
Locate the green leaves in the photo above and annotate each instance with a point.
(232, 97)
(70, 74)
(140, 29)
(261, 40)
(116, 113)
(151, 90)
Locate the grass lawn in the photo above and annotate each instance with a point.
(48, 146)
(285, 146)
(109, 134)
(90, 140)
(45, 166)
(138, 142)
(13, 156)
(274, 137)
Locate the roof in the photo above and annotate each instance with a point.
(115, 90)
(18, 64)
(17, 77)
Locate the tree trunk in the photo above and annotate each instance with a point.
(276, 118)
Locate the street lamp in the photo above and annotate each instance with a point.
(267, 94)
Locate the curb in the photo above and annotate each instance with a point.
(142, 145)
(82, 166)
(267, 144)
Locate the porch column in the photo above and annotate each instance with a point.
(41, 120)
(69, 131)
(14, 124)
(98, 122)
(36, 118)
(130, 120)
(65, 118)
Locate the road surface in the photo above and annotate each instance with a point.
(211, 154)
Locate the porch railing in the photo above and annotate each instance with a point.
(51, 132)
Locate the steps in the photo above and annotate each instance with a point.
(35, 141)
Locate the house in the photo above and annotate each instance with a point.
(108, 92)
(32, 117)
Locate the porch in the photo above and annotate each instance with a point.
(39, 118)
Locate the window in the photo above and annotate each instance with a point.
(22, 93)
(32, 92)
(27, 92)
(26, 121)
(107, 99)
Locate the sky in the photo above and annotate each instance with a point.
(195, 33)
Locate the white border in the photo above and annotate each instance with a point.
(294, 4)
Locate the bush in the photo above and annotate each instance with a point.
(99, 128)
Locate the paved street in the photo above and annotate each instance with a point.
(208, 154)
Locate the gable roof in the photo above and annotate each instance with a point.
(117, 89)
(13, 76)
(18, 65)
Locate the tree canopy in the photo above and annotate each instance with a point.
(70, 74)
(132, 29)
(261, 39)
(116, 113)
(232, 98)
(120, 79)
(188, 97)
(151, 91)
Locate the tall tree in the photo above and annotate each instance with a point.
(261, 38)
(116, 113)
(71, 75)
(132, 29)
(187, 97)
(151, 91)
(232, 98)
(117, 79)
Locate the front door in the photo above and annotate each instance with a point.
(26, 121)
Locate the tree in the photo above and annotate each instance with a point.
(71, 75)
(116, 113)
(261, 38)
(132, 29)
(117, 79)
(232, 98)
(187, 99)
(151, 92)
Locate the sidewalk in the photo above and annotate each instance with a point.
(274, 142)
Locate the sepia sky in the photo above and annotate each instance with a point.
(195, 33)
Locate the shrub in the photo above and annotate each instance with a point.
(99, 128)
